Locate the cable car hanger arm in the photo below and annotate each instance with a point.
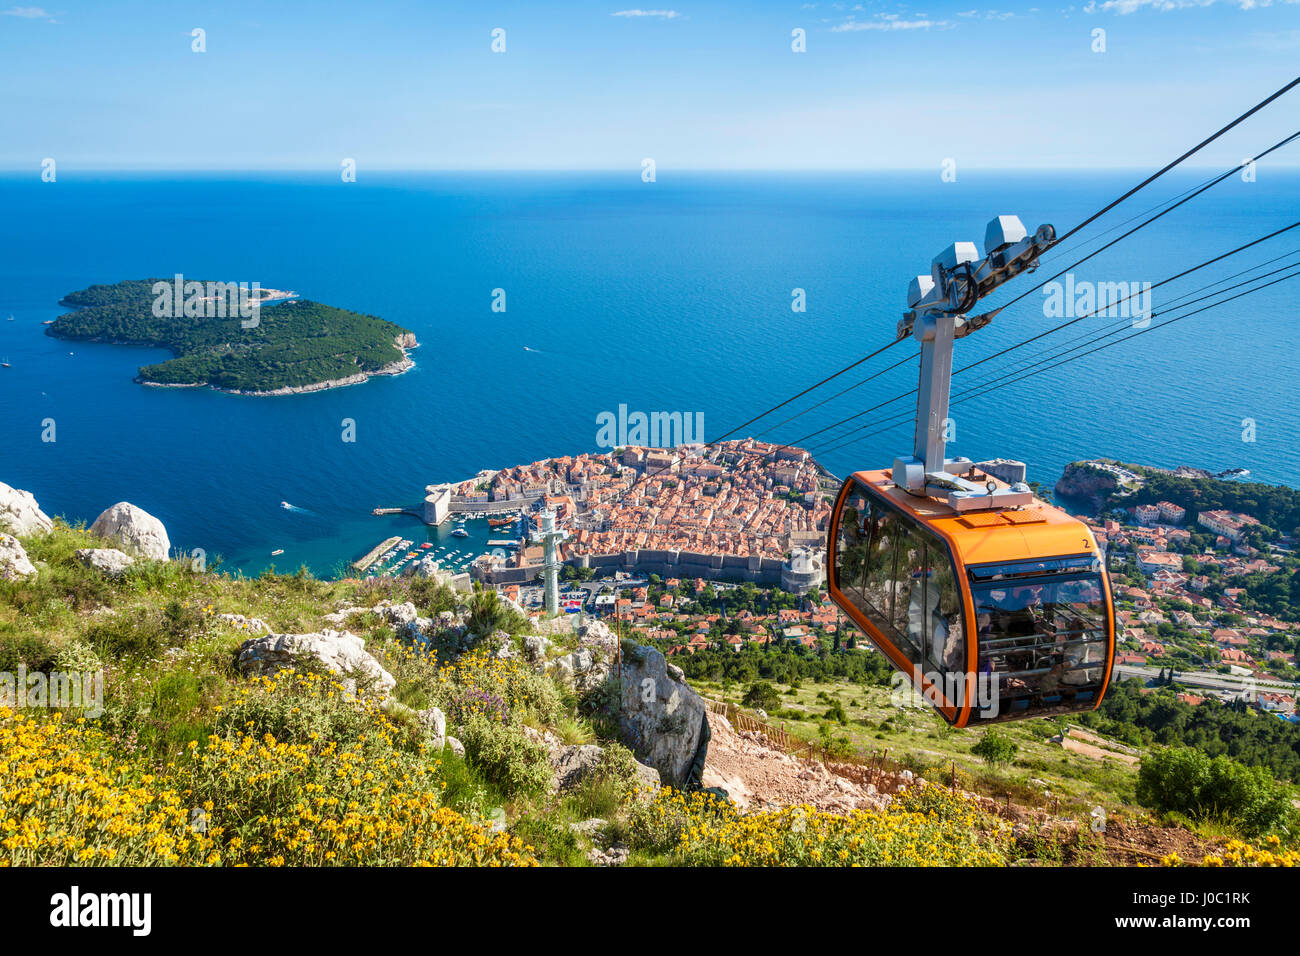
(936, 317)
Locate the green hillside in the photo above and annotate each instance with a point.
(295, 344)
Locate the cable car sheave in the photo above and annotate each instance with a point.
(995, 604)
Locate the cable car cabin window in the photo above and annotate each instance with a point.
(1042, 631)
(945, 636)
(900, 576)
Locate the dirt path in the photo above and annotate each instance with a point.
(756, 775)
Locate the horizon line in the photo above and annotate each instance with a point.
(633, 170)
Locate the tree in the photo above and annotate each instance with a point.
(1183, 780)
(995, 748)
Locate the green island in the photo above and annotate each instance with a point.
(296, 345)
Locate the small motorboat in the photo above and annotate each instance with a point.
(460, 533)
(277, 551)
(285, 504)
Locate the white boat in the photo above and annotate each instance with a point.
(277, 551)
(285, 504)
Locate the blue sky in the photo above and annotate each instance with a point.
(600, 85)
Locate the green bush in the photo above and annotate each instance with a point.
(509, 760)
(762, 695)
(35, 652)
(133, 637)
(488, 613)
(1187, 781)
(995, 747)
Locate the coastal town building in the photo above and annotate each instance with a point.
(1229, 524)
(739, 510)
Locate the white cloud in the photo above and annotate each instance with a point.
(890, 21)
(1125, 7)
(27, 13)
(665, 14)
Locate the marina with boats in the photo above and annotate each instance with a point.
(453, 545)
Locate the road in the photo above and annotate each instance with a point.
(1212, 681)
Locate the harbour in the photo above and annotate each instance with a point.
(371, 556)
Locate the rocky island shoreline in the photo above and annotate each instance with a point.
(292, 347)
(404, 364)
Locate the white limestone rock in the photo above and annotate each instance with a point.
(107, 561)
(14, 563)
(254, 625)
(535, 648)
(134, 528)
(665, 727)
(434, 723)
(20, 514)
(341, 653)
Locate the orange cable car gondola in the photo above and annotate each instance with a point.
(995, 605)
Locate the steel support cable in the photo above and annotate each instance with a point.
(1034, 359)
(1195, 149)
(1054, 329)
(1146, 222)
(899, 418)
(1021, 378)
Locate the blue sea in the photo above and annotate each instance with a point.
(666, 296)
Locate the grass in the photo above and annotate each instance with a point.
(172, 687)
(1041, 773)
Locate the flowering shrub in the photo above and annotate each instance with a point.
(312, 805)
(698, 829)
(477, 703)
(515, 764)
(1239, 853)
(65, 799)
(475, 679)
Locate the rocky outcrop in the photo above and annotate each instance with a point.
(1081, 480)
(601, 851)
(662, 719)
(505, 646)
(20, 514)
(434, 723)
(404, 618)
(107, 561)
(598, 636)
(134, 529)
(254, 625)
(571, 764)
(535, 648)
(425, 567)
(341, 653)
(14, 563)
